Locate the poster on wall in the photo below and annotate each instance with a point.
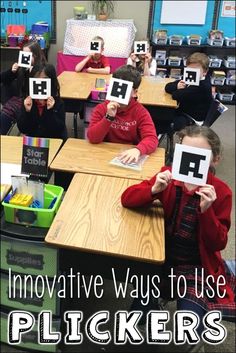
(228, 9)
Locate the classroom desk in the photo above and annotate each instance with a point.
(92, 219)
(78, 85)
(78, 155)
(11, 149)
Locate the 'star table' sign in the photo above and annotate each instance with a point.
(35, 156)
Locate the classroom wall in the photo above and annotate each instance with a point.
(138, 11)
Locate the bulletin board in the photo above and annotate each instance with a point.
(213, 19)
(183, 12)
(27, 13)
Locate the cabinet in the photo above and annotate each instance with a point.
(25, 255)
(185, 50)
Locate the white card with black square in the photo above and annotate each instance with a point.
(119, 91)
(95, 46)
(25, 59)
(140, 47)
(40, 88)
(191, 76)
(191, 164)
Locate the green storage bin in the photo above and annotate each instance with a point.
(36, 217)
(20, 298)
(29, 257)
(29, 339)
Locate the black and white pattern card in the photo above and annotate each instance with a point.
(40, 88)
(191, 164)
(191, 76)
(140, 47)
(95, 46)
(25, 59)
(119, 91)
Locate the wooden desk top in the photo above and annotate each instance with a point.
(11, 149)
(152, 92)
(92, 219)
(78, 155)
(78, 85)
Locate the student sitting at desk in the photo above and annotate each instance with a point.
(194, 101)
(95, 63)
(197, 221)
(14, 83)
(144, 63)
(113, 122)
(44, 117)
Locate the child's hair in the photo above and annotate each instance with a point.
(206, 132)
(100, 39)
(36, 50)
(199, 58)
(50, 72)
(128, 73)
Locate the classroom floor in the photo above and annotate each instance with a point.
(225, 127)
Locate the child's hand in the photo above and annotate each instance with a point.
(14, 67)
(50, 102)
(208, 196)
(28, 102)
(112, 108)
(130, 156)
(133, 57)
(162, 181)
(181, 84)
(148, 58)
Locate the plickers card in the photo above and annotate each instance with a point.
(140, 47)
(25, 59)
(191, 164)
(95, 46)
(119, 91)
(191, 76)
(40, 88)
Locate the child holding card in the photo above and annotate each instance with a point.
(123, 119)
(95, 62)
(197, 220)
(142, 59)
(14, 83)
(194, 100)
(45, 115)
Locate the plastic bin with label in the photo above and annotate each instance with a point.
(230, 42)
(215, 42)
(225, 97)
(36, 217)
(231, 64)
(219, 81)
(215, 62)
(174, 61)
(173, 40)
(194, 41)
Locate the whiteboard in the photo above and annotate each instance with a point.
(183, 12)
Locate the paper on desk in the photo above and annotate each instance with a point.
(135, 166)
(9, 169)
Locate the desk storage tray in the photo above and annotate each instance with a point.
(36, 217)
(28, 256)
(29, 339)
(34, 298)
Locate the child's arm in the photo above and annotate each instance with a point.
(79, 67)
(148, 190)
(215, 220)
(147, 132)
(150, 66)
(171, 87)
(99, 126)
(27, 121)
(104, 70)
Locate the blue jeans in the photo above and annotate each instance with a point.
(187, 305)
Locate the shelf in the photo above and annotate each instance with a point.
(202, 46)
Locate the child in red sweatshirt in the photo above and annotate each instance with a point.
(128, 124)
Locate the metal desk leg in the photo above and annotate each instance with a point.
(75, 122)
